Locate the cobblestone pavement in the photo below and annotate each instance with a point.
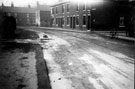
(88, 61)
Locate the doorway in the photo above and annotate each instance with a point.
(73, 22)
(70, 22)
(89, 23)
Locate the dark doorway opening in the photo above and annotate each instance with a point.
(89, 23)
(70, 22)
(73, 22)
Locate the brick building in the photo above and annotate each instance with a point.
(104, 15)
(25, 16)
(28, 16)
(74, 15)
(43, 13)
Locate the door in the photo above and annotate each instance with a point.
(70, 22)
(73, 22)
(89, 23)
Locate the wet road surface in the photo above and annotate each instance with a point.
(88, 61)
(72, 61)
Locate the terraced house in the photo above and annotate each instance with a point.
(28, 16)
(24, 15)
(98, 14)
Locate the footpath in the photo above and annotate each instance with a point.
(121, 35)
(22, 65)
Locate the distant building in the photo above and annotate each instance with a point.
(105, 15)
(24, 16)
(27, 16)
(43, 13)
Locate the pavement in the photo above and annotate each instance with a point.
(22, 65)
(121, 35)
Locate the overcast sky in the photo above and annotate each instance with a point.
(26, 2)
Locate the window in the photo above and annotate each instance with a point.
(67, 20)
(62, 8)
(56, 20)
(52, 20)
(84, 6)
(62, 21)
(67, 7)
(9, 14)
(28, 21)
(52, 10)
(56, 10)
(77, 7)
(15, 14)
(27, 15)
(121, 23)
(33, 20)
(77, 20)
(84, 20)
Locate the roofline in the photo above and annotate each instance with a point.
(58, 3)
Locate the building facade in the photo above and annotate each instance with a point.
(104, 15)
(27, 16)
(43, 14)
(66, 14)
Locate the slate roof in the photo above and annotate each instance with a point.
(44, 7)
(18, 9)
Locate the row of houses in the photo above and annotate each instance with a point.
(70, 14)
(28, 16)
(102, 15)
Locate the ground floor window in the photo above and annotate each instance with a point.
(62, 21)
(84, 20)
(121, 22)
(67, 20)
(77, 20)
(56, 20)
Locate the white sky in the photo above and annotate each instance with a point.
(26, 2)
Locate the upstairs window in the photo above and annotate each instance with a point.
(27, 15)
(77, 7)
(15, 14)
(67, 7)
(62, 8)
(84, 6)
(77, 20)
(52, 10)
(56, 10)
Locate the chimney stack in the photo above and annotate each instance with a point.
(12, 5)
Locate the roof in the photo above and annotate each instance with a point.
(18, 9)
(43, 7)
(60, 2)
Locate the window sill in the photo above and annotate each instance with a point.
(84, 25)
